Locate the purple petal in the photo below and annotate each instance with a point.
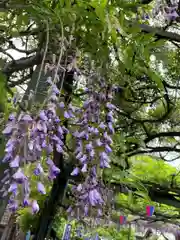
(8, 129)
(27, 118)
(59, 148)
(65, 130)
(49, 80)
(15, 162)
(84, 168)
(55, 89)
(107, 138)
(83, 159)
(104, 164)
(13, 188)
(26, 202)
(61, 105)
(109, 117)
(43, 116)
(44, 145)
(57, 120)
(41, 188)
(81, 134)
(7, 158)
(35, 207)
(60, 130)
(108, 149)
(19, 176)
(86, 210)
(12, 117)
(49, 162)
(92, 154)
(79, 188)
(49, 149)
(54, 171)
(71, 114)
(79, 155)
(75, 172)
(38, 170)
(96, 131)
(99, 143)
(89, 147)
(110, 106)
(66, 115)
(13, 206)
(100, 213)
(102, 125)
(86, 104)
(69, 209)
(95, 197)
(31, 145)
(111, 129)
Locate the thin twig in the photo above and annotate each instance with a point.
(7, 54)
(60, 55)
(44, 56)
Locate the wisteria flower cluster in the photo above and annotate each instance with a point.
(32, 137)
(93, 146)
(169, 13)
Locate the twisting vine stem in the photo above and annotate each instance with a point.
(43, 60)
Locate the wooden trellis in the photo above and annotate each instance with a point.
(9, 230)
(4, 223)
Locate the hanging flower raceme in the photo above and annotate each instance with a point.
(93, 146)
(169, 12)
(30, 138)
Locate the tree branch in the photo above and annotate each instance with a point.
(5, 6)
(170, 86)
(7, 54)
(162, 134)
(21, 64)
(157, 193)
(160, 33)
(11, 45)
(12, 84)
(153, 150)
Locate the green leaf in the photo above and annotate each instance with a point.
(19, 20)
(128, 53)
(130, 198)
(104, 3)
(156, 79)
(157, 44)
(114, 35)
(25, 19)
(2, 62)
(100, 13)
(143, 194)
(3, 92)
(146, 38)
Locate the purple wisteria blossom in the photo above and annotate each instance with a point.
(35, 207)
(29, 138)
(33, 140)
(75, 171)
(41, 188)
(93, 146)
